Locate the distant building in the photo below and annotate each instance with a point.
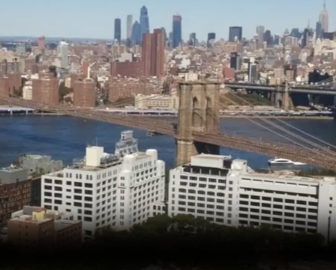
(108, 190)
(235, 61)
(235, 33)
(227, 192)
(252, 71)
(211, 39)
(324, 19)
(35, 226)
(38, 165)
(153, 53)
(144, 22)
(117, 30)
(156, 102)
(41, 43)
(63, 54)
(45, 89)
(136, 33)
(319, 31)
(177, 31)
(192, 39)
(260, 33)
(268, 38)
(85, 93)
(129, 27)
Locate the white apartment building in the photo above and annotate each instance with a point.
(229, 193)
(108, 190)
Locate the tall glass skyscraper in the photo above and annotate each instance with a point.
(144, 21)
(136, 33)
(117, 29)
(177, 30)
(236, 33)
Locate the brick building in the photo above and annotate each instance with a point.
(84, 93)
(45, 89)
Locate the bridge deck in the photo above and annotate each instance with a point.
(314, 157)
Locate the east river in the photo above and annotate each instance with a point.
(65, 138)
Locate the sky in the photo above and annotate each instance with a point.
(95, 18)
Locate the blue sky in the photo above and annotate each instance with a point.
(94, 18)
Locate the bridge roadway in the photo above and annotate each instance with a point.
(305, 89)
(316, 157)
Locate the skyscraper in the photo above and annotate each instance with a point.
(144, 21)
(211, 39)
(63, 54)
(153, 53)
(260, 33)
(117, 29)
(319, 31)
(129, 27)
(136, 33)
(324, 18)
(192, 39)
(236, 33)
(177, 30)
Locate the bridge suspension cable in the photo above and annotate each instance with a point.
(317, 148)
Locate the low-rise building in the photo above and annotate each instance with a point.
(37, 226)
(156, 102)
(227, 192)
(108, 190)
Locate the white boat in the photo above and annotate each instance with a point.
(283, 161)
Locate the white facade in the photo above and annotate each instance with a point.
(156, 102)
(63, 54)
(228, 193)
(120, 192)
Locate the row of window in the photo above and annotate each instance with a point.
(275, 199)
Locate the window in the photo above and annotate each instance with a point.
(58, 182)
(79, 198)
(68, 183)
(88, 219)
(77, 204)
(78, 184)
(48, 187)
(48, 181)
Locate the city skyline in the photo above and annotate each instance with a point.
(218, 17)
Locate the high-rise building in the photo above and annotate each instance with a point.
(129, 27)
(144, 21)
(319, 31)
(268, 38)
(117, 29)
(252, 71)
(235, 61)
(41, 43)
(192, 39)
(136, 33)
(227, 192)
(177, 31)
(153, 46)
(84, 93)
(324, 18)
(211, 39)
(107, 190)
(235, 33)
(260, 32)
(63, 54)
(45, 89)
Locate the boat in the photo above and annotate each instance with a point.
(283, 161)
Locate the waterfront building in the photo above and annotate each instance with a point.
(117, 30)
(177, 31)
(235, 33)
(45, 89)
(144, 22)
(38, 164)
(85, 93)
(156, 102)
(227, 192)
(108, 190)
(37, 226)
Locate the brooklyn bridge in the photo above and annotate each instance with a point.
(197, 128)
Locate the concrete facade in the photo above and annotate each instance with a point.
(198, 112)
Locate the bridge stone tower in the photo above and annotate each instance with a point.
(198, 112)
